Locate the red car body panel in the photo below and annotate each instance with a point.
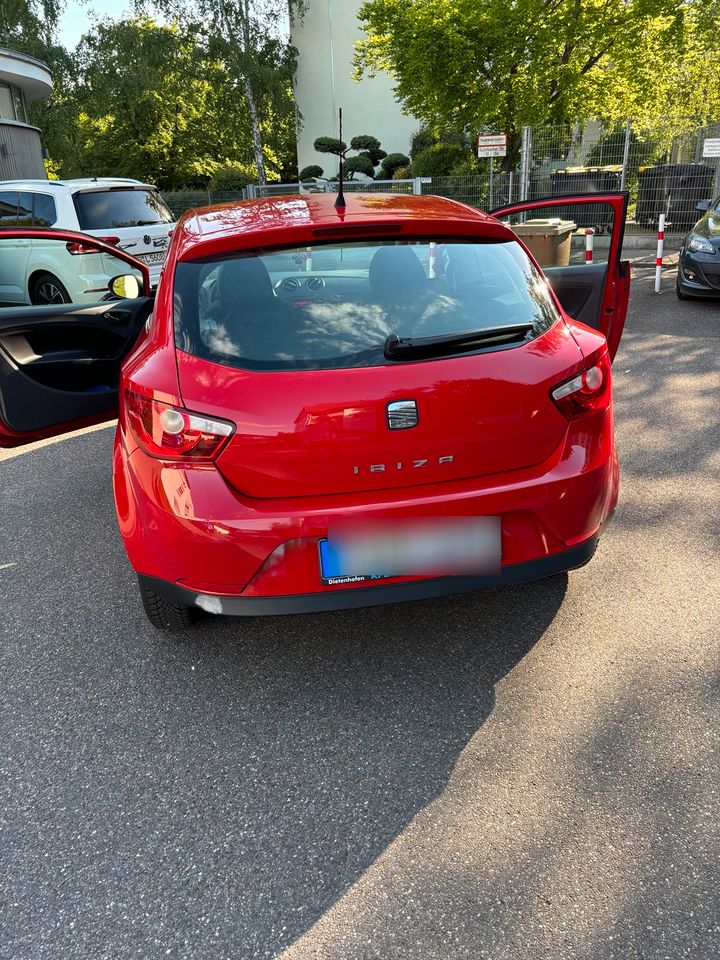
(290, 437)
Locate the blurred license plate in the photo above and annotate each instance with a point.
(151, 257)
(448, 547)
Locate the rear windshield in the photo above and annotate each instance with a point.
(334, 305)
(103, 209)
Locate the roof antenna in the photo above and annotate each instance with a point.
(340, 201)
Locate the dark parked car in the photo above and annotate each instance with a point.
(699, 264)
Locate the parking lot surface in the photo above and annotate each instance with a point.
(525, 773)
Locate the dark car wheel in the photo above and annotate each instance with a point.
(165, 615)
(680, 294)
(47, 290)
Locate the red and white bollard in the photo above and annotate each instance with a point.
(432, 252)
(658, 258)
(589, 234)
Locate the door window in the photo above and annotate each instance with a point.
(557, 235)
(25, 214)
(45, 211)
(9, 200)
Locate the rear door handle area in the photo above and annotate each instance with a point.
(118, 317)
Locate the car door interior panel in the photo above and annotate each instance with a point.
(580, 291)
(61, 362)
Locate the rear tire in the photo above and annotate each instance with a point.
(163, 614)
(47, 290)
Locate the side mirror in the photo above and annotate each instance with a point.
(703, 206)
(126, 286)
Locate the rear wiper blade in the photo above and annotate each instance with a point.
(400, 348)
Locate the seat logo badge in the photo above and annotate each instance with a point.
(402, 414)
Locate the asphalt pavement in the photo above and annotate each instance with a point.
(517, 775)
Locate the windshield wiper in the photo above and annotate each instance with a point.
(418, 348)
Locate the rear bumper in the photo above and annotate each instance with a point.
(188, 532)
(376, 595)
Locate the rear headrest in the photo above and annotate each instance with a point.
(396, 274)
(244, 282)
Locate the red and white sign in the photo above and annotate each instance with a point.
(491, 145)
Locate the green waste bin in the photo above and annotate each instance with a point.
(548, 240)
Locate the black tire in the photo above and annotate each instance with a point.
(47, 290)
(163, 614)
(680, 295)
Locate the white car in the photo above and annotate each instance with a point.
(127, 213)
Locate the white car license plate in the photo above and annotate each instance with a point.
(151, 257)
(424, 547)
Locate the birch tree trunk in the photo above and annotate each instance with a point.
(255, 131)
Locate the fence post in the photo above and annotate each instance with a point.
(417, 186)
(525, 152)
(626, 155)
(659, 258)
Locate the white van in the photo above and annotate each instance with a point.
(127, 213)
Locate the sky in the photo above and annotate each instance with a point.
(77, 17)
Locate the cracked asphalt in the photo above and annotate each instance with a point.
(523, 774)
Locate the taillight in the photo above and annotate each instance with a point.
(76, 249)
(173, 433)
(587, 392)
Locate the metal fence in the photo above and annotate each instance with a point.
(664, 172)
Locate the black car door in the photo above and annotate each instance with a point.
(60, 355)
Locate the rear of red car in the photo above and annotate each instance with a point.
(354, 410)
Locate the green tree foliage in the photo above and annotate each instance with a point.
(28, 25)
(311, 172)
(246, 37)
(474, 63)
(152, 101)
(147, 106)
(391, 163)
(439, 160)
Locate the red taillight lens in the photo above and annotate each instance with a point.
(587, 392)
(77, 249)
(173, 433)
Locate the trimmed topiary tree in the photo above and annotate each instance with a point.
(369, 153)
(391, 163)
(311, 172)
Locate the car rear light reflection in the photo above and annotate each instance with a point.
(587, 392)
(112, 240)
(173, 433)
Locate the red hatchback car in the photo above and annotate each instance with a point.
(327, 407)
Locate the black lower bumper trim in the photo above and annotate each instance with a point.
(347, 598)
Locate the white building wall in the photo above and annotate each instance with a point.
(325, 42)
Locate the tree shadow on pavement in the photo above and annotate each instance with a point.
(215, 795)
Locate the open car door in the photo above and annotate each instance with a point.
(71, 309)
(595, 291)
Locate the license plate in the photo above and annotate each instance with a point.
(151, 257)
(446, 547)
